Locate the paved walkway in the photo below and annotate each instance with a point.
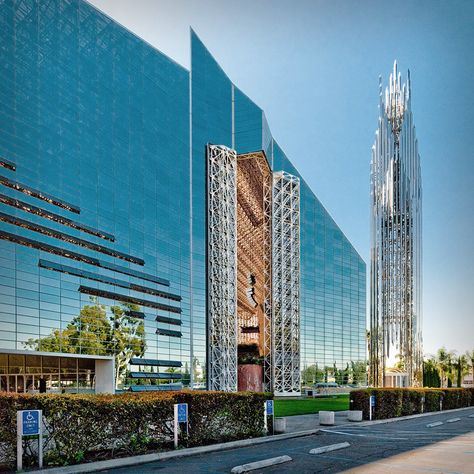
(455, 455)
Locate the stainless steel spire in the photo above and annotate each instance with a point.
(396, 249)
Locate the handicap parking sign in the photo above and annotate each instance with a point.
(30, 422)
(182, 412)
(372, 400)
(269, 407)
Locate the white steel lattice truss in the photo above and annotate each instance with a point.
(222, 267)
(286, 284)
(395, 306)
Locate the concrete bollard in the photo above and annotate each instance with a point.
(354, 415)
(280, 425)
(326, 418)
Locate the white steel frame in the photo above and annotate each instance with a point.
(286, 284)
(396, 236)
(222, 268)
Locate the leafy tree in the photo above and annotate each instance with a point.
(199, 372)
(400, 364)
(127, 338)
(311, 374)
(186, 375)
(336, 374)
(93, 332)
(359, 371)
(345, 376)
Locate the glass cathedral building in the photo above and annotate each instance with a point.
(104, 211)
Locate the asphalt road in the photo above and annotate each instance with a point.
(402, 446)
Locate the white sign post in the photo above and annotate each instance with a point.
(29, 423)
(371, 405)
(268, 411)
(180, 416)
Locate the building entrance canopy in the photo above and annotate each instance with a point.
(43, 372)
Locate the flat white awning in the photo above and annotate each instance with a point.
(55, 354)
(25, 371)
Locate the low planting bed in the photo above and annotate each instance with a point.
(81, 428)
(395, 402)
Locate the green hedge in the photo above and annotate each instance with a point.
(91, 427)
(395, 402)
(471, 391)
(456, 398)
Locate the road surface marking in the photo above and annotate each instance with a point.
(452, 420)
(362, 435)
(471, 416)
(436, 423)
(251, 466)
(330, 447)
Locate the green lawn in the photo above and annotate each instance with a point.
(311, 405)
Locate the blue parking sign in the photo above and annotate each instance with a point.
(372, 400)
(30, 422)
(182, 412)
(269, 407)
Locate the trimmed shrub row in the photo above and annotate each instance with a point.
(90, 427)
(395, 402)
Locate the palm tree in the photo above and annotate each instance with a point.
(461, 369)
(450, 363)
(441, 362)
(470, 361)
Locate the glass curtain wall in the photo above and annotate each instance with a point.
(94, 211)
(211, 99)
(102, 202)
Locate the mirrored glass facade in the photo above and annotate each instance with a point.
(396, 239)
(103, 203)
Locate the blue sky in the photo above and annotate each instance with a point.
(313, 66)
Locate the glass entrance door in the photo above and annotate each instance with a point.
(16, 383)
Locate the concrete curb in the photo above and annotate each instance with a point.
(408, 417)
(453, 420)
(435, 424)
(148, 458)
(252, 466)
(329, 448)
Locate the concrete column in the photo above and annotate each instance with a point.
(104, 376)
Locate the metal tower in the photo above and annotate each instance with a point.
(286, 284)
(396, 250)
(222, 268)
